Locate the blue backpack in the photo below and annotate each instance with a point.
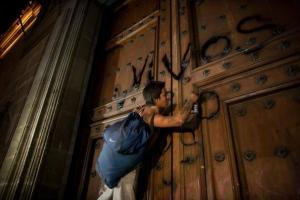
(124, 147)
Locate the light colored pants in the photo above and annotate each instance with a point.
(125, 190)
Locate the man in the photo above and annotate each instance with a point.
(156, 101)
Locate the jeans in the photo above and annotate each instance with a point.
(125, 190)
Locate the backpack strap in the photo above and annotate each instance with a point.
(154, 135)
(140, 110)
(152, 123)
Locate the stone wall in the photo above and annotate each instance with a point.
(45, 77)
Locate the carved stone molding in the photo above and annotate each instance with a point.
(23, 160)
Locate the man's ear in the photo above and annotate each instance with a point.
(154, 101)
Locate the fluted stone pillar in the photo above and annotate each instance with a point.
(53, 83)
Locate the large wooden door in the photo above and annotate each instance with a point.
(245, 51)
(266, 139)
(252, 146)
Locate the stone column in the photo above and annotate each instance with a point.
(21, 166)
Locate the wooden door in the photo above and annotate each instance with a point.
(247, 52)
(266, 139)
(94, 182)
(225, 28)
(251, 146)
(244, 49)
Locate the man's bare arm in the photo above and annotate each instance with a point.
(177, 119)
(161, 120)
(185, 110)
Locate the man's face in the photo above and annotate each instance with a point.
(162, 102)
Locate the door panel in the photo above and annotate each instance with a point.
(221, 18)
(130, 13)
(108, 77)
(95, 182)
(219, 163)
(237, 130)
(136, 53)
(267, 140)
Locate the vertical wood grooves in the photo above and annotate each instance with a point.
(175, 85)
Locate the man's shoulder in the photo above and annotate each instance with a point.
(148, 114)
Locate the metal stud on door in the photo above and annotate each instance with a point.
(249, 155)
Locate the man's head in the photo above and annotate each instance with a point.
(155, 94)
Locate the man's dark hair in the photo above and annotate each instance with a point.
(152, 91)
